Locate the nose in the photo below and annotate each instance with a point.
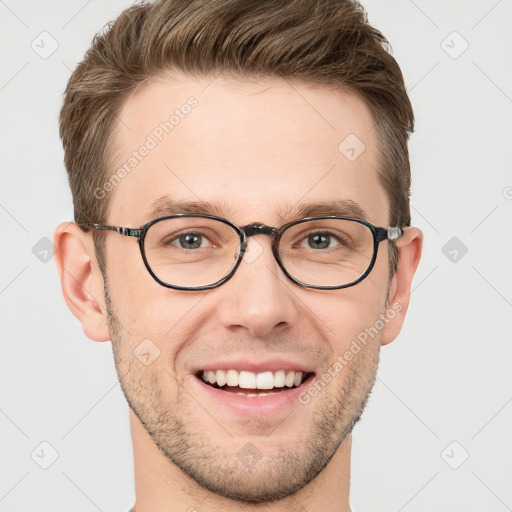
(258, 299)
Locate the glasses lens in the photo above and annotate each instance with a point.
(191, 251)
(327, 252)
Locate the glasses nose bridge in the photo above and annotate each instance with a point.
(259, 229)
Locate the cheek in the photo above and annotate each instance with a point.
(342, 315)
(149, 311)
(136, 304)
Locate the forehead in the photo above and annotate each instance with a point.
(252, 150)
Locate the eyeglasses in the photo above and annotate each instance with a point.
(200, 252)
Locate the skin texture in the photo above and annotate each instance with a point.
(254, 150)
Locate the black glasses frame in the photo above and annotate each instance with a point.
(379, 235)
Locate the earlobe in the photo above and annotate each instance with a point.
(409, 255)
(81, 279)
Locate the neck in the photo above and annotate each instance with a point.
(160, 486)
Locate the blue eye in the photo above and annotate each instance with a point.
(190, 241)
(319, 241)
(187, 240)
(323, 240)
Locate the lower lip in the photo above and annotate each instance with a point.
(266, 404)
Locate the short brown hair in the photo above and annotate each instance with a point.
(325, 42)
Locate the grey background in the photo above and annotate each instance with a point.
(444, 388)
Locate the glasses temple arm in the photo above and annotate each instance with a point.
(391, 234)
(122, 231)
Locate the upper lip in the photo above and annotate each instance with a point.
(272, 365)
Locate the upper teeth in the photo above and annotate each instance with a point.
(251, 380)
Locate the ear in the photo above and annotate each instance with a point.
(81, 279)
(409, 247)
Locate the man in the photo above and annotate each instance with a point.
(241, 180)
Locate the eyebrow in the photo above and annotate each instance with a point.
(167, 206)
(339, 208)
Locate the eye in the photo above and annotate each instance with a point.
(188, 241)
(321, 240)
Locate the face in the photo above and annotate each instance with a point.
(252, 153)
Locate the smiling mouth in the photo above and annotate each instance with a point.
(253, 384)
